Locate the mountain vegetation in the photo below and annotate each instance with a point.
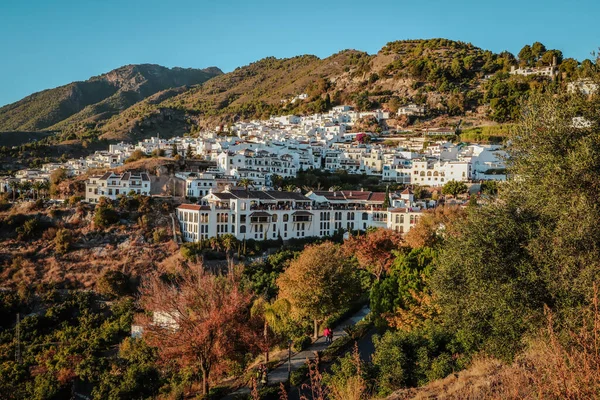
(454, 79)
(96, 99)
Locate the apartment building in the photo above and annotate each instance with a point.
(269, 215)
(112, 185)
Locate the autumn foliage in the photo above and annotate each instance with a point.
(374, 250)
(202, 320)
(319, 282)
(433, 226)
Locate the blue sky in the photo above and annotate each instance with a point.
(48, 43)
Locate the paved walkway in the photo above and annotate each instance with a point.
(280, 374)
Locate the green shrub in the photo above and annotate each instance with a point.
(74, 200)
(298, 376)
(62, 241)
(105, 216)
(415, 358)
(160, 235)
(113, 284)
(301, 343)
(28, 229)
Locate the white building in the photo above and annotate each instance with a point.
(412, 110)
(270, 215)
(112, 185)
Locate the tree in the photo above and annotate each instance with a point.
(374, 251)
(62, 241)
(135, 155)
(537, 246)
(276, 180)
(113, 284)
(174, 150)
(454, 188)
(14, 187)
(318, 283)
(433, 227)
(204, 319)
(489, 188)
(538, 50)
(57, 176)
(105, 214)
(37, 188)
(245, 183)
(273, 314)
(526, 55)
(403, 299)
(189, 153)
(387, 202)
(25, 188)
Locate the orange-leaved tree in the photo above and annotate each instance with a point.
(373, 250)
(318, 283)
(199, 320)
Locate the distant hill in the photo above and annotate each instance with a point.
(96, 99)
(423, 71)
(456, 80)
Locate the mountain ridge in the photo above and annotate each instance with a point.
(110, 93)
(455, 80)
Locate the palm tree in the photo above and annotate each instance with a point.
(45, 187)
(289, 188)
(14, 186)
(245, 182)
(273, 315)
(37, 187)
(25, 188)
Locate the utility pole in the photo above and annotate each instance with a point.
(18, 339)
(290, 359)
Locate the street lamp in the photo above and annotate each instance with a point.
(289, 359)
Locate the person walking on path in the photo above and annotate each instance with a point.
(326, 334)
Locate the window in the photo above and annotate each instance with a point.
(243, 206)
(286, 217)
(365, 216)
(243, 229)
(274, 219)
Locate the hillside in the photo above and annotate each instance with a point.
(97, 98)
(424, 71)
(456, 80)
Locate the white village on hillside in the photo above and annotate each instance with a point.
(258, 153)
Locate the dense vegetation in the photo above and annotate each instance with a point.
(96, 98)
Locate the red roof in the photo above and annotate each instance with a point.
(377, 196)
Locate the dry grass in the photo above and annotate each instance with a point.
(26, 263)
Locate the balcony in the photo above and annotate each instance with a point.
(260, 217)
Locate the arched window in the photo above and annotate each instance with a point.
(422, 173)
(365, 216)
(428, 173)
(286, 218)
(274, 218)
(435, 173)
(242, 228)
(402, 218)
